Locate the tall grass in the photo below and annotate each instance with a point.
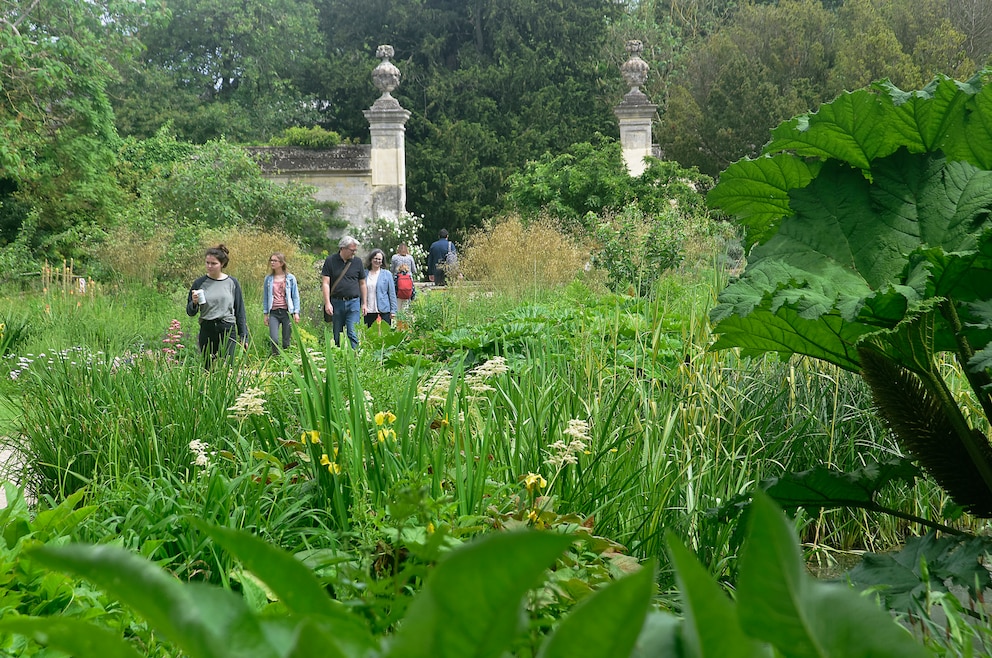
(674, 431)
(89, 419)
(659, 431)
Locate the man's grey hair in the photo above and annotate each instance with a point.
(347, 241)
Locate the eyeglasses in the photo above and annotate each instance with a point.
(274, 260)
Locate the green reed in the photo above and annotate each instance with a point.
(91, 419)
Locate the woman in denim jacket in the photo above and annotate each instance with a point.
(381, 302)
(280, 299)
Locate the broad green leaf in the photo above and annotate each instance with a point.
(660, 636)
(205, 621)
(829, 338)
(897, 208)
(64, 517)
(605, 624)
(850, 259)
(919, 119)
(315, 639)
(15, 517)
(73, 636)
(757, 192)
(780, 603)
(294, 584)
(970, 139)
(711, 628)
(912, 342)
(471, 606)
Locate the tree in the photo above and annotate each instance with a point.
(768, 63)
(491, 84)
(219, 184)
(973, 18)
(57, 134)
(218, 68)
(641, 226)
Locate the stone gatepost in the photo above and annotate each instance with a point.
(635, 112)
(387, 123)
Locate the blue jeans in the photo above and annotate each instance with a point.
(347, 313)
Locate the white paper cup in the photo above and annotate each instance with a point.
(201, 296)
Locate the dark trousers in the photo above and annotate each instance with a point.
(370, 318)
(213, 335)
(280, 322)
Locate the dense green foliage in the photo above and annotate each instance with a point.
(57, 133)
(311, 138)
(572, 412)
(640, 226)
(770, 61)
(472, 604)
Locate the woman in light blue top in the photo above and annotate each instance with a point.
(381, 291)
(280, 299)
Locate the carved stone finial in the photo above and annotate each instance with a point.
(635, 69)
(385, 76)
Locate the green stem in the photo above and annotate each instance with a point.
(916, 519)
(979, 380)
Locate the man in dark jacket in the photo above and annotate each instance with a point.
(440, 258)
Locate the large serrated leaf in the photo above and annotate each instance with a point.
(927, 563)
(829, 338)
(757, 192)
(860, 256)
(851, 129)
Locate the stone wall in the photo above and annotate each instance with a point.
(342, 174)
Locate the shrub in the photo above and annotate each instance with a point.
(134, 255)
(514, 257)
(165, 254)
(635, 248)
(220, 185)
(250, 250)
(387, 233)
(309, 138)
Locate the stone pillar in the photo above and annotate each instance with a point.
(387, 124)
(635, 112)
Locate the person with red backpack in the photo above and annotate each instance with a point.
(405, 290)
(403, 257)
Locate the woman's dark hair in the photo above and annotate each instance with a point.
(221, 253)
(372, 255)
